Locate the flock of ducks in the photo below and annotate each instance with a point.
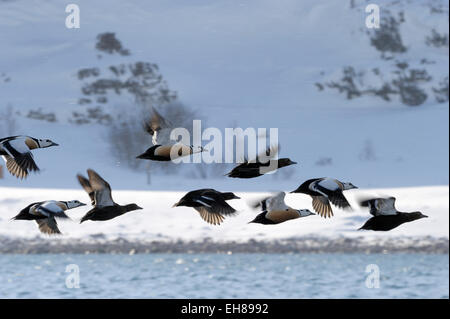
(211, 204)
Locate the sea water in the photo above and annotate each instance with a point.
(225, 276)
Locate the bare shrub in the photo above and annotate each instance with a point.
(437, 40)
(404, 82)
(92, 115)
(41, 115)
(387, 39)
(441, 92)
(107, 42)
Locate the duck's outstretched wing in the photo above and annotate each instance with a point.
(322, 206)
(101, 188)
(380, 206)
(48, 226)
(276, 202)
(18, 164)
(213, 207)
(51, 209)
(213, 218)
(154, 124)
(84, 182)
(331, 189)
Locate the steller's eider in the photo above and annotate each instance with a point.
(385, 215)
(16, 151)
(258, 167)
(323, 191)
(209, 203)
(44, 214)
(100, 194)
(275, 211)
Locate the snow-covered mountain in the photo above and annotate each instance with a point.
(239, 64)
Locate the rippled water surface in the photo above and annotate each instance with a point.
(224, 276)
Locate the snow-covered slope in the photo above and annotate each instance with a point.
(240, 63)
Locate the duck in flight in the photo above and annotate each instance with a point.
(323, 191)
(385, 215)
(100, 194)
(210, 204)
(263, 164)
(167, 152)
(275, 211)
(16, 151)
(44, 213)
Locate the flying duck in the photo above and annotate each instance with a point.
(259, 166)
(323, 191)
(44, 213)
(209, 203)
(16, 151)
(275, 211)
(100, 193)
(385, 215)
(169, 152)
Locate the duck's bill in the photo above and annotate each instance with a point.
(175, 205)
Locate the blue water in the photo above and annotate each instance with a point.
(224, 276)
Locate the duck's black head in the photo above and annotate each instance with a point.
(417, 215)
(261, 219)
(282, 162)
(131, 207)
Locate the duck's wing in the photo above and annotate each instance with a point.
(326, 184)
(101, 188)
(9, 138)
(18, 158)
(277, 202)
(380, 206)
(322, 206)
(332, 189)
(213, 218)
(259, 203)
(48, 226)
(212, 206)
(270, 153)
(338, 199)
(84, 182)
(155, 123)
(51, 209)
(14, 168)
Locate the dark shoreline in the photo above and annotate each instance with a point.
(428, 245)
